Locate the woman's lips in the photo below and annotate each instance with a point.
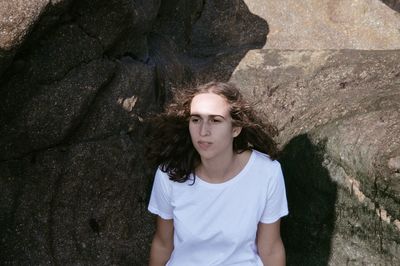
(204, 145)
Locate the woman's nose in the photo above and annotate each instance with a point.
(204, 129)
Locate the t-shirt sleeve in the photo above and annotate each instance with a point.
(276, 204)
(160, 199)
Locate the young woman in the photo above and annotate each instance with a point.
(218, 192)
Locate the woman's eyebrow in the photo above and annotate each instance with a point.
(209, 116)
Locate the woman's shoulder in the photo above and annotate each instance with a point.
(265, 160)
(162, 175)
(270, 170)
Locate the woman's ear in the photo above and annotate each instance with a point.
(236, 131)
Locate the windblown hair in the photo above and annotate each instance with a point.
(170, 144)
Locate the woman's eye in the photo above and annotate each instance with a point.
(194, 120)
(215, 121)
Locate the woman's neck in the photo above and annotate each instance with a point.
(221, 169)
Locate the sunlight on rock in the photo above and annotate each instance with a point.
(128, 103)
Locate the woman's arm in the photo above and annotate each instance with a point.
(163, 242)
(270, 245)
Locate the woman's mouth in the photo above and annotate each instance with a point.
(204, 145)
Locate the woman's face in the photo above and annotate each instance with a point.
(210, 126)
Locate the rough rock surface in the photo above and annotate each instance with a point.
(341, 108)
(329, 24)
(17, 20)
(77, 78)
(395, 4)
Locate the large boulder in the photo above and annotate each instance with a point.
(73, 183)
(82, 204)
(19, 18)
(338, 114)
(77, 80)
(328, 24)
(395, 4)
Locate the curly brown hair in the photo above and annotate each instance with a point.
(170, 144)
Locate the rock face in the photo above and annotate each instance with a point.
(340, 109)
(329, 24)
(77, 78)
(395, 4)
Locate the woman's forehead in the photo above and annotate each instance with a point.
(209, 104)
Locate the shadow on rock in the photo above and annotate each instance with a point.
(393, 4)
(207, 45)
(221, 38)
(307, 230)
(72, 177)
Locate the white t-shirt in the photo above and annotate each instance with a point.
(216, 224)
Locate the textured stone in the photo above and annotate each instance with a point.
(78, 77)
(20, 19)
(329, 24)
(51, 114)
(73, 184)
(76, 208)
(394, 163)
(17, 19)
(226, 25)
(395, 4)
(345, 103)
(122, 105)
(121, 26)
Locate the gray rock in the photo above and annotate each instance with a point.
(60, 52)
(346, 104)
(329, 24)
(122, 105)
(71, 207)
(20, 19)
(17, 19)
(121, 26)
(394, 164)
(78, 77)
(74, 93)
(395, 4)
(52, 112)
(226, 25)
